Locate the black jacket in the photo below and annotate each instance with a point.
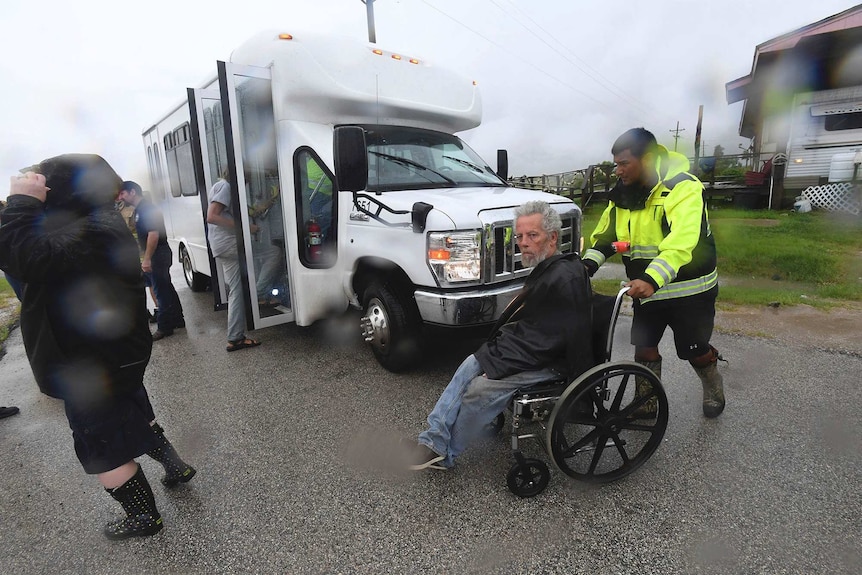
(550, 326)
(83, 312)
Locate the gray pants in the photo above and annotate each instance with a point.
(235, 304)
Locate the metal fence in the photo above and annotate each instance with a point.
(720, 176)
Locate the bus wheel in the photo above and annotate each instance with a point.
(196, 281)
(391, 327)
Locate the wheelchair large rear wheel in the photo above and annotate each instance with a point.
(597, 433)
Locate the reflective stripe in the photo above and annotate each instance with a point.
(595, 255)
(685, 288)
(663, 269)
(643, 252)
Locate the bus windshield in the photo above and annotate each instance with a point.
(401, 158)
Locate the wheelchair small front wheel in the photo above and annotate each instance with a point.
(528, 478)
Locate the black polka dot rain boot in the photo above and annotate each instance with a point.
(142, 518)
(176, 470)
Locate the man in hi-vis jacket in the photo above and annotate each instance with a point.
(658, 220)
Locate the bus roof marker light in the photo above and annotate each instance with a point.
(378, 51)
(413, 61)
(396, 57)
(285, 36)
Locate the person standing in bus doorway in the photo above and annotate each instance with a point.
(156, 259)
(84, 326)
(221, 233)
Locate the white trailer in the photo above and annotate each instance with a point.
(362, 193)
(825, 135)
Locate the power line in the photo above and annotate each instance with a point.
(517, 57)
(584, 67)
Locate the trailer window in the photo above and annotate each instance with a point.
(838, 122)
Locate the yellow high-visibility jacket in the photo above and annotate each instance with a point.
(672, 246)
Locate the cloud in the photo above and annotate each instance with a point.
(559, 80)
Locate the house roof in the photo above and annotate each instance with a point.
(808, 59)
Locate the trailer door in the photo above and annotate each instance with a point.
(249, 158)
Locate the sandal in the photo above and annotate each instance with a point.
(242, 344)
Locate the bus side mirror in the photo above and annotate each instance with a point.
(351, 158)
(419, 216)
(503, 165)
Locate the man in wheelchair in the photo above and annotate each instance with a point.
(545, 336)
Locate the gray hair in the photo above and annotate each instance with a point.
(551, 221)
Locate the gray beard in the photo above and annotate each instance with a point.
(533, 261)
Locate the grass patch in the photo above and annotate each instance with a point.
(767, 256)
(7, 299)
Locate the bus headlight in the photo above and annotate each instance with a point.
(455, 257)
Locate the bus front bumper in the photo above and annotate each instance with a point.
(464, 308)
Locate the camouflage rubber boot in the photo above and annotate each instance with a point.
(176, 470)
(713, 386)
(648, 410)
(142, 518)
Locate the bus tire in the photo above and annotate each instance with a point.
(391, 326)
(196, 281)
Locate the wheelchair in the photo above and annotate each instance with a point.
(589, 427)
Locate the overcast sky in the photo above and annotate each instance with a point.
(560, 79)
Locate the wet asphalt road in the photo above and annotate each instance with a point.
(295, 443)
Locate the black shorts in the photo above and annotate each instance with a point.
(114, 432)
(690, 318)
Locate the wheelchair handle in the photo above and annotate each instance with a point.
(618, 303)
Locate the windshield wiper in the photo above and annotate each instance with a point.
(411, 163)
(470, 165)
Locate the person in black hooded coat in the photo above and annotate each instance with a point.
(85, 326)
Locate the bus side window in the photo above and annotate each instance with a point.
(314, 192)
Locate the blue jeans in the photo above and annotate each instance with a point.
(469, 403)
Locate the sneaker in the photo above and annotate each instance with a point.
(8, 411)
(157, 335)
(423, 457)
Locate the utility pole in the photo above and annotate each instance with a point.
(676, 134)
(369, 4)
(697, 154)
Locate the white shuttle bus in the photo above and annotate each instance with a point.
(343, 160)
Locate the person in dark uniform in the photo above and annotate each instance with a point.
(156, 259)
(84, 325)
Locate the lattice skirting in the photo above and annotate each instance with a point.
(835, 197)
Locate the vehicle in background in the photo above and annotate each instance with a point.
(344, 156)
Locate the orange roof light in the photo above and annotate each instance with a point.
(396, 57)
(413, 61)
(378, 51)
(438, 254)
(285, 36)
